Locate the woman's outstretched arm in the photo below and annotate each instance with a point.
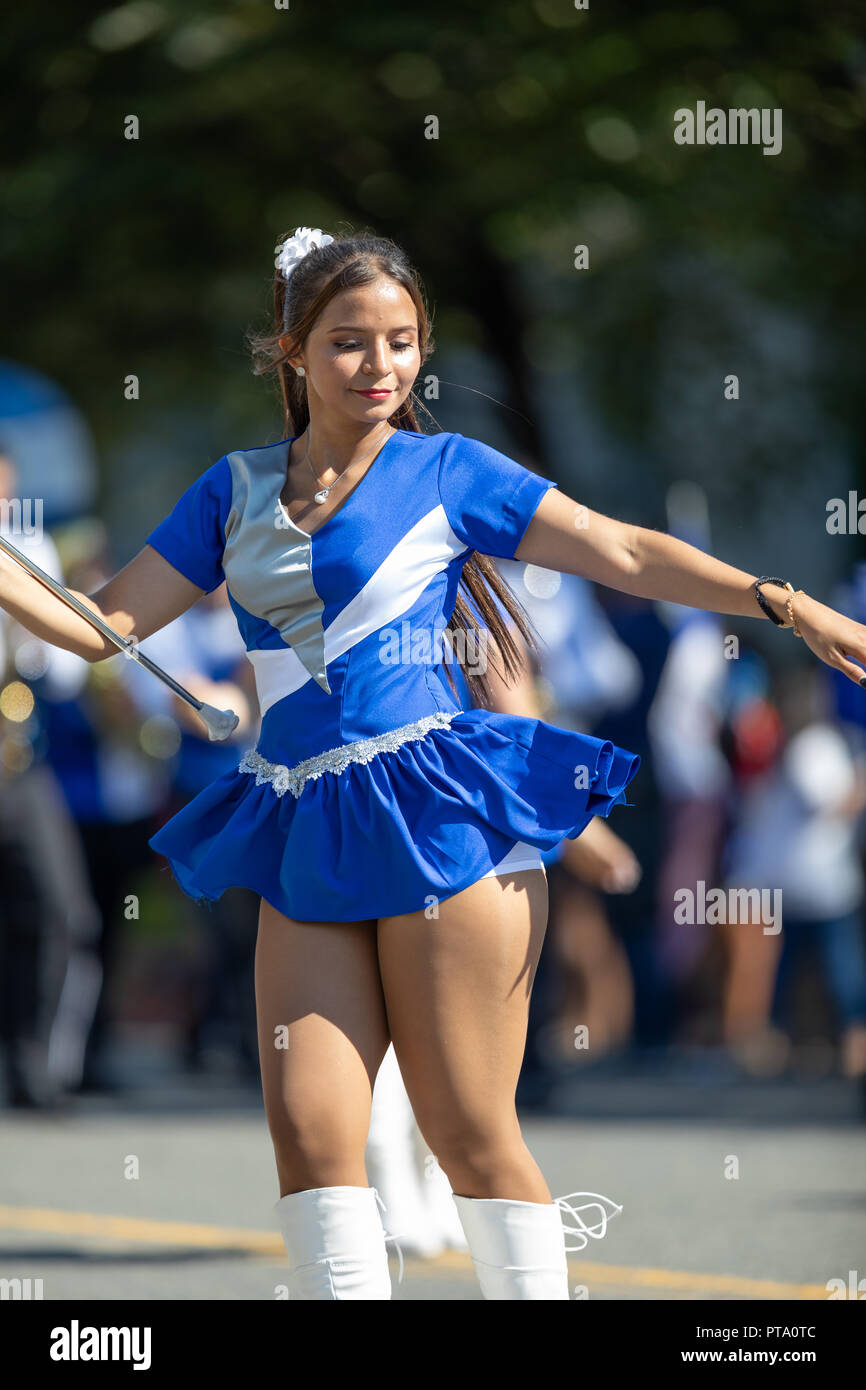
(141, 598)
(564, 535)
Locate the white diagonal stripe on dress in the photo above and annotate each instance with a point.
(425, 550)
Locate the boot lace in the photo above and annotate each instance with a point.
(596, 1230)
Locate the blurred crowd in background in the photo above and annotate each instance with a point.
(752, 776)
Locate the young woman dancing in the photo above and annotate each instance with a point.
(393, 837)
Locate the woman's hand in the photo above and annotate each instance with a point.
(221, 694)
(600, 859)
(837, 640)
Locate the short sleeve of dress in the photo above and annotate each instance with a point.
(488, 498)
(192, 536)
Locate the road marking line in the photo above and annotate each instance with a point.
(88, 1223)
(265, 1243)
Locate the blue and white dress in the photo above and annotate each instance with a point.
(370, 791)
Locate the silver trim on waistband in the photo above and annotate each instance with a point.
(292, 779)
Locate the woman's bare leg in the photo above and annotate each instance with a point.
(457, 988)
(323, 1032)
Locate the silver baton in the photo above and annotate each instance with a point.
(220, 723)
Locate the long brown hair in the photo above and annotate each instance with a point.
(358, 259)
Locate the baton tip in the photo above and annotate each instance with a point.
(220, 723)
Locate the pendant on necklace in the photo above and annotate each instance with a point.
(321, 496)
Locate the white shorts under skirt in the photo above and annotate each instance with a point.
(520, 856)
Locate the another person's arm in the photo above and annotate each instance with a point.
(598, 857)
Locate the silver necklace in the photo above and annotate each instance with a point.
(322, 494)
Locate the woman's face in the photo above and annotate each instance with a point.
(365, 338)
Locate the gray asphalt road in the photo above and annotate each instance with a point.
(169, 1195)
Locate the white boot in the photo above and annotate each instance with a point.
(335, 1242)
(517, 1248)
(437, 1197)
(391, 1165)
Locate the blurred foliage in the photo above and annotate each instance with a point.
(154, 256)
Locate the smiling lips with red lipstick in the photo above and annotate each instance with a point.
(376, 394)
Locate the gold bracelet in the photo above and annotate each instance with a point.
(790, 607)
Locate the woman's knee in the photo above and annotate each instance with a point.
(316, 1139)
(477, 1157)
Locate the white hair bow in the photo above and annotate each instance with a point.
(295, 247)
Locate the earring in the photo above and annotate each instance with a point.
(300, 371)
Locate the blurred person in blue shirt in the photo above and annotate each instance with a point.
(581, 671)
(50, 973)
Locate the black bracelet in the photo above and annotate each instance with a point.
(769, 579)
